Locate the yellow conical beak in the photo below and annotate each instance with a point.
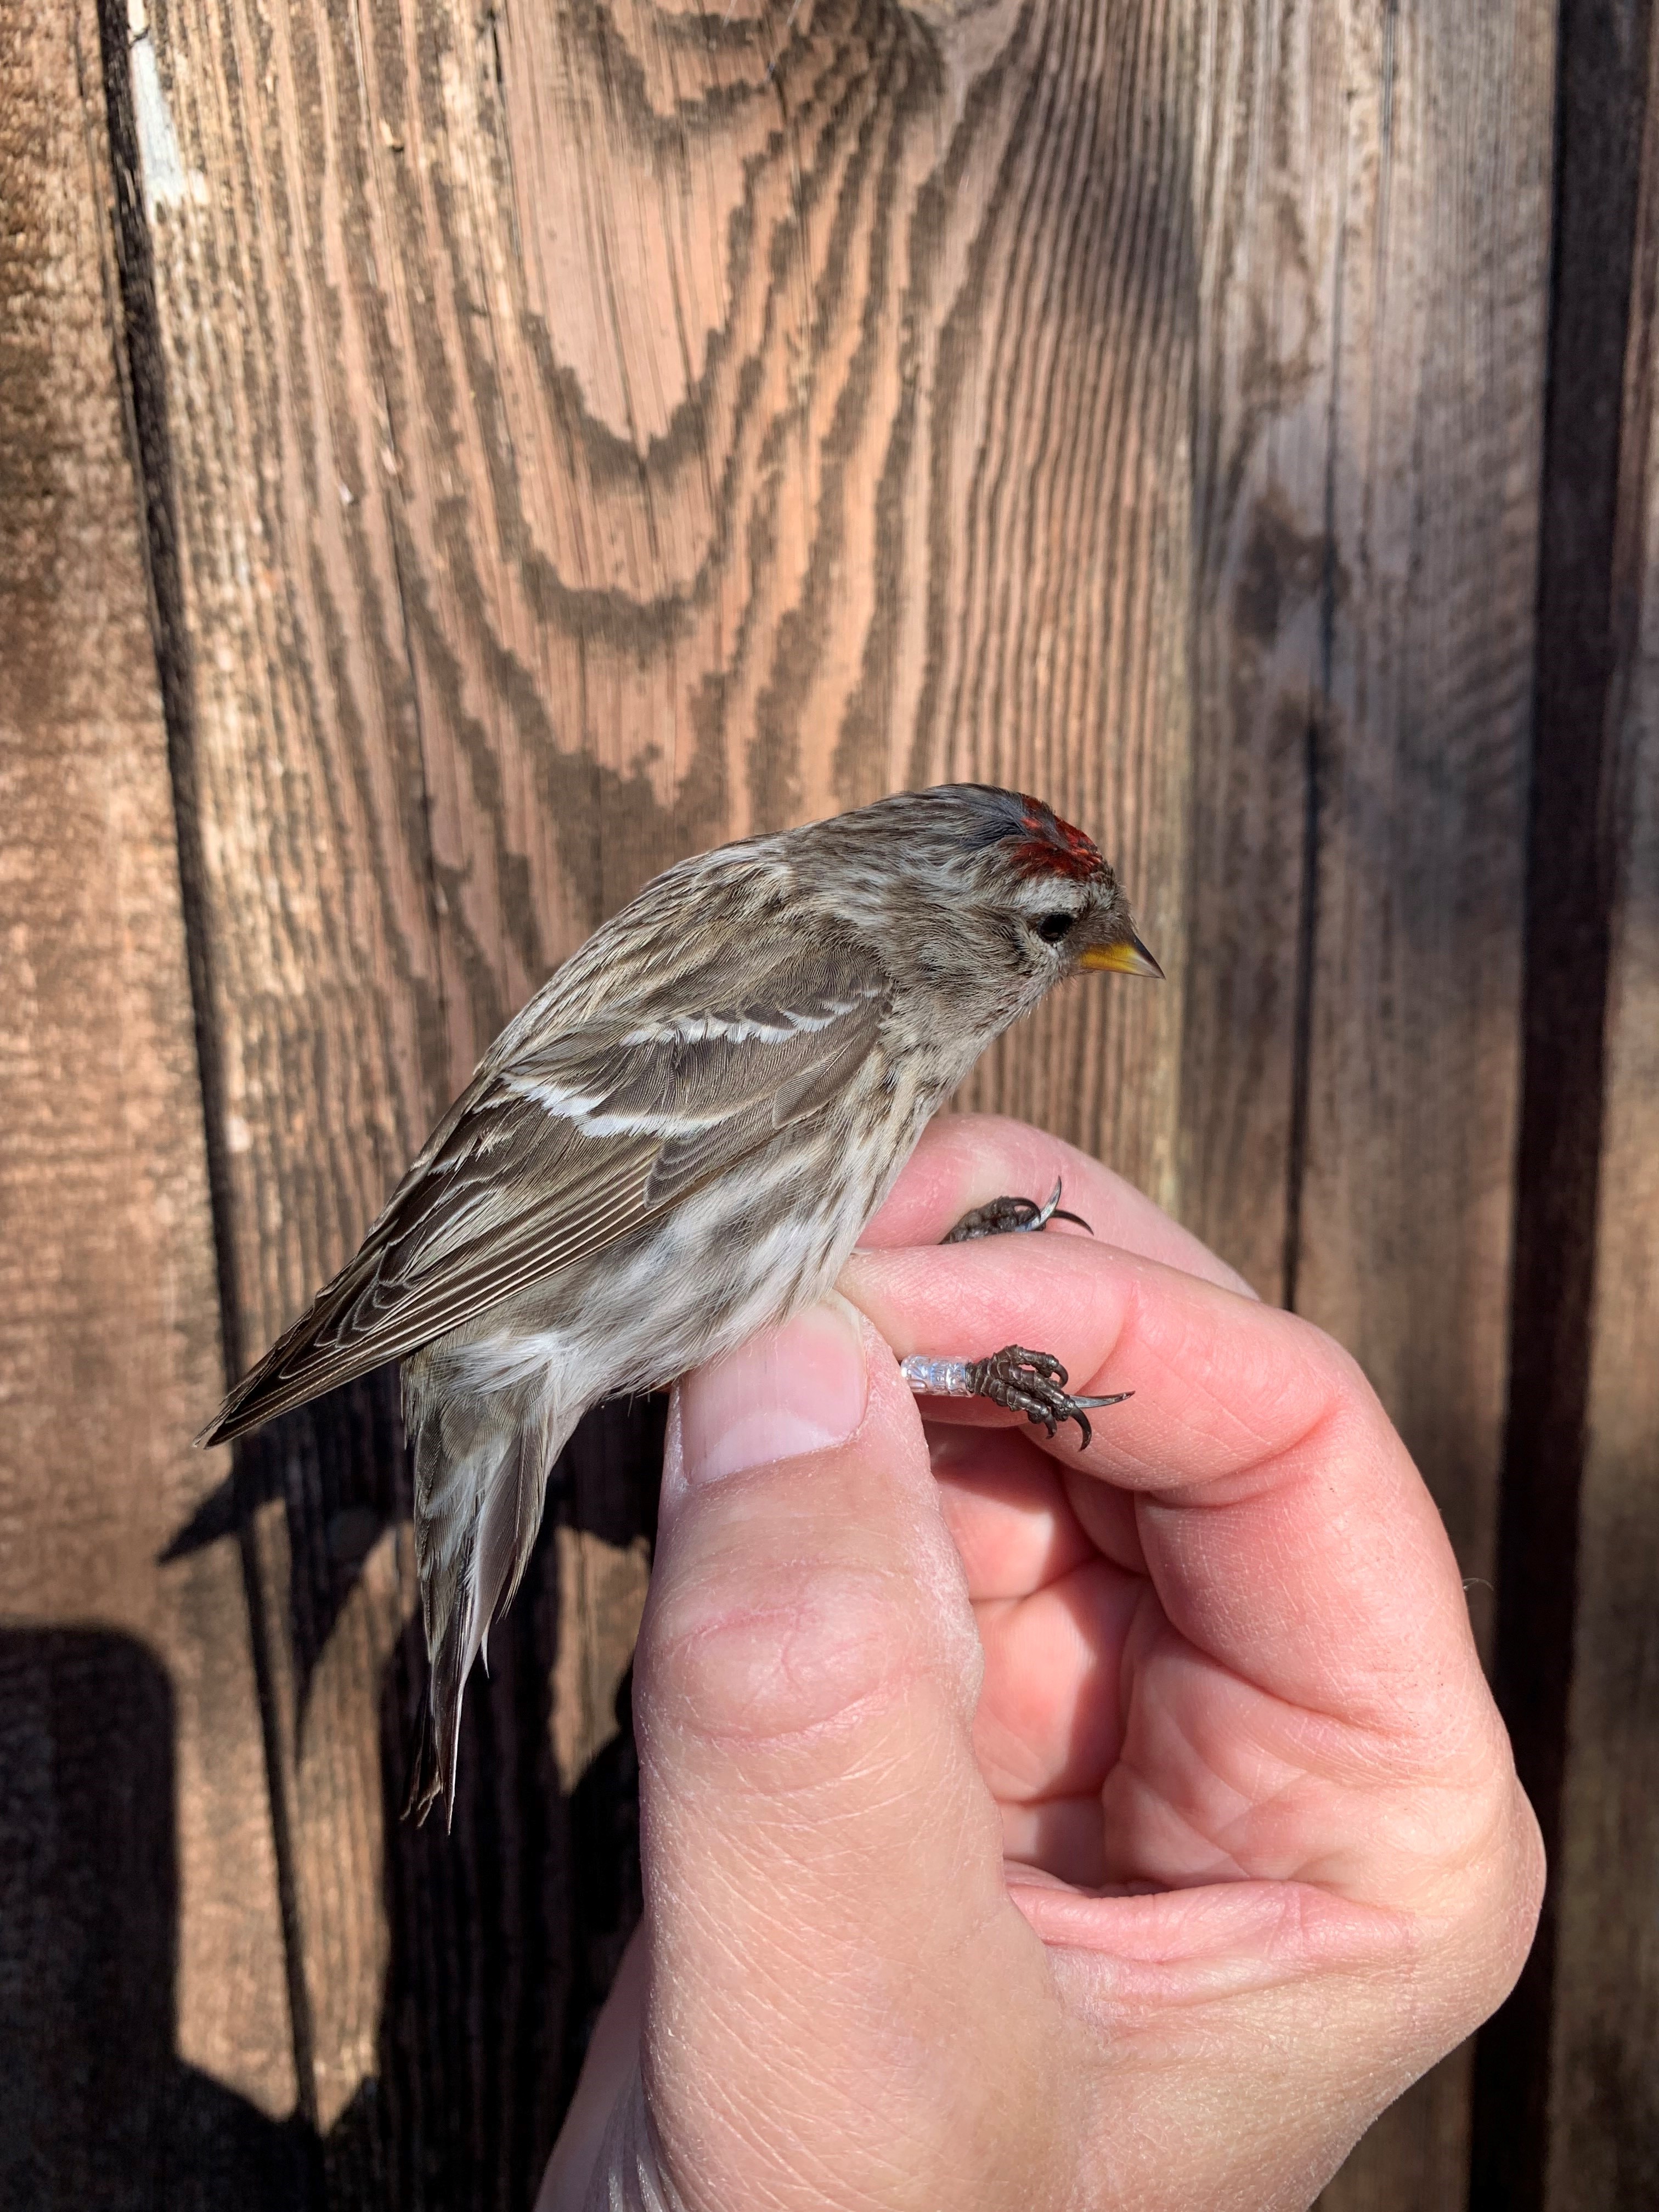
(1128, 957)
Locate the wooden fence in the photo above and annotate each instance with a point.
(456, 455)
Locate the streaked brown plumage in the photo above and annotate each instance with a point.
(677, 1142)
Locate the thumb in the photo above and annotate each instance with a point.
(823, 1862)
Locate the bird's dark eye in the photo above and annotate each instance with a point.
(1051, 927)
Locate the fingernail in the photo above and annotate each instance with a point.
(798, 1389)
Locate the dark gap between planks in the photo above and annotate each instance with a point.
(1602, 69)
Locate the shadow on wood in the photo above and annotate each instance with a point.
(105, 2116)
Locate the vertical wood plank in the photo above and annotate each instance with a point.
(145, 2016)
(1376, 253)
(591, 435)
(1603, 2109)
(1591, 592)
(1420, 777)
(446, 180)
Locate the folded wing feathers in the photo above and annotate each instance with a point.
(551, 1156)
(386, 1315)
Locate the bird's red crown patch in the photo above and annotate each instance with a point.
(1053, 846)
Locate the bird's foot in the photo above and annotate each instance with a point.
(1006, 1217)
(1028, 1382)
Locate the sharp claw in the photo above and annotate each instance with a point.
(1051, 1210)
(1074, 1412)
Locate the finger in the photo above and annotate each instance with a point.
(1285, 1529)
(1017, 1517)
(1050, 1717)
(1006, 1508)
(1053, 1614)
(965, 1160)
(822, 1859)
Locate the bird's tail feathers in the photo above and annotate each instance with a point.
(423, 1788)
(482, 1460)
(509, 1515)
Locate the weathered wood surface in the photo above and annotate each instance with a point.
(144, 1999)
(1602, 2141)
(1369, 408)
(590, 436)
(1604, 2138)
(1575, 1315)
(1417, 788)
(572, 435)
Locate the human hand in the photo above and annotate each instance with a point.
(1045, 1827)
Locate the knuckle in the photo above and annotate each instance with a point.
(812, 1652)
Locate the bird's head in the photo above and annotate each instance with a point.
(984, 894)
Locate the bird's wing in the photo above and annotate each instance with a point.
(570, 1142)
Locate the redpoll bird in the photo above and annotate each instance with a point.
(677, 1142)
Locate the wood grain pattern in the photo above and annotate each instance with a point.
(1370, 401)
(1273, 221)
(1603, 2102)
(1592, 534)
(595, 434)
(1420, 774)
(1422, 778)
(1604, 2141)
(145, 2015)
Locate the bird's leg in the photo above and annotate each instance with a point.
(1028, 1382)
